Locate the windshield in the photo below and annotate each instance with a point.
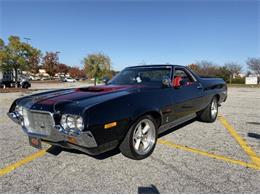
(141, 76)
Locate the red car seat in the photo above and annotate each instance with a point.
(177, 81)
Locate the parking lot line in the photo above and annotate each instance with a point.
(253, 156)
(21, 162)
(203, 153)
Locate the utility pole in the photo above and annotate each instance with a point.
(27, 39)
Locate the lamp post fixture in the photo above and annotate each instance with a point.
(27, 39)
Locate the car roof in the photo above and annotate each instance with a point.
(155, 66)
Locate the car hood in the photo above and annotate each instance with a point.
(79, 97)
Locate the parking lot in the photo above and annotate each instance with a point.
(221, 157)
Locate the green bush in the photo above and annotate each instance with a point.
(238, 80)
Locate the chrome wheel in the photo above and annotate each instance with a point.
(214, 108)
(144, 136)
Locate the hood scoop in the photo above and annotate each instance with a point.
(90, 89)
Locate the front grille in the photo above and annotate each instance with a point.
(38, 122)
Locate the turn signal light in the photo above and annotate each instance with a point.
(72, 140)
(110, 125)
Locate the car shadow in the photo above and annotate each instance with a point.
(148, 190)
(253, 123)
(56, 150)
(254, 135)
(177, 127)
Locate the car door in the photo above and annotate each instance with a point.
(187, 93)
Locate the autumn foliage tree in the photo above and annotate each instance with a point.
(75, 72)
(50, 62)
(34, 59)
(62, 68)
(196, 68)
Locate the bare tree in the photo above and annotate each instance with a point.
(254, 65)
(234, 69)
(207, 68)
(196, 68)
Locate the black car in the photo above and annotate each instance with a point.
(129, 112)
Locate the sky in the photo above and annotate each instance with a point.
(137, 32)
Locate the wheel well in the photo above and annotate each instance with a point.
(217, 96)
(156, 115)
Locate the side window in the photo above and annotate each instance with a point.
(182, 78)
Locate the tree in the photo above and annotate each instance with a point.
(208, 68)
(2, 44)
(76, 72)
(233, 69)
(34, 59)
(110, 74)
(205, 68)
(3, 56)
(14, 56)
(50, 62)
(96, 65)
(17, 55)
(62, 68)
(197, 69)
(223, 73)
(248, 73)
(254, 65)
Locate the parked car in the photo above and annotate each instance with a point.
(24, 83)
(7, 80)
(69, 79)
(129, 112)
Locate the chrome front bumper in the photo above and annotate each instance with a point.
(41, 124)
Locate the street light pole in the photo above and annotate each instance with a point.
(57, 52)
(27, 39)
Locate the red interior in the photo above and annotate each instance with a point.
(177, 81)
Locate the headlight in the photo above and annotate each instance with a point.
(63, 121)
(19, 110)
(79, 123)
(72, 122)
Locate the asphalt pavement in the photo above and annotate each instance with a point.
(219, 157)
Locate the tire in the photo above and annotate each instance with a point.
(210, 113)
(2, 86)
(141, 138)
(25, 85)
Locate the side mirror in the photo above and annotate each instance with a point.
(105, 80)
(166, 82)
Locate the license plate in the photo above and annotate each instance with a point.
(35, 142)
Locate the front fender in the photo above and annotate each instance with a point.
(124, 110)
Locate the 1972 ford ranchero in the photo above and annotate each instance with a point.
(128, 112)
